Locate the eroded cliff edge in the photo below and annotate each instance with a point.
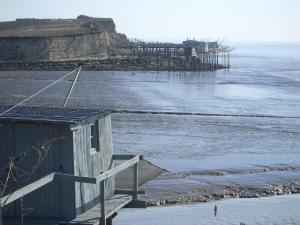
(83, 38)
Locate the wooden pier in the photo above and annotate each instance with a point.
(189, 55)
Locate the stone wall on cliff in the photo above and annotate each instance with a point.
(54, 40)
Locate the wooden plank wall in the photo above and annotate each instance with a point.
(6, 142)
(92, 164)
(53, 200)
(6, 149)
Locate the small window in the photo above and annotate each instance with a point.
(94, 138)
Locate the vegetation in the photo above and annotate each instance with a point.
(13, 176)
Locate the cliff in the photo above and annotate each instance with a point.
(60, 39)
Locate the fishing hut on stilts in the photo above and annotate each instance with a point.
(188, 55)
(80, 180)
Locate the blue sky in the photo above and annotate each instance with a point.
(175, 20)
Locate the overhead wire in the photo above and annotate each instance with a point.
(40, 91)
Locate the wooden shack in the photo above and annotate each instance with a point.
(75, 181)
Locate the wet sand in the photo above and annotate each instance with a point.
(172, 189)
(213, 157)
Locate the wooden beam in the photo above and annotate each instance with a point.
(27, 189)
(92, 216)
(102, 203)
(92, 180)
(135, 182)
(137, 204)
(128, 192)
(109, 221)
(124, 157)
(42, 182)
(89, 180)
(107, 174)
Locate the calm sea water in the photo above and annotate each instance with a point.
(283, 210)
(263, 85)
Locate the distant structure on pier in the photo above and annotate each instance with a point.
(36, 43)
(192, 54)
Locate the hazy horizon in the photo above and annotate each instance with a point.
(176, 20)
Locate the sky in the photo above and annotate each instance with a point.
(176, 20)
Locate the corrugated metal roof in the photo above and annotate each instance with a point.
(52, 114)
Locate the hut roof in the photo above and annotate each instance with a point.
(61, 115)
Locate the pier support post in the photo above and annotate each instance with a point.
(102, 203)
(135, 182)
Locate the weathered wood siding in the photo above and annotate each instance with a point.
(6, 142)
(55, 199)
(92, 164)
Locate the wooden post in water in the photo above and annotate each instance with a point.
(135, 182)
(102, 203)
(214, 60)
(222, 59)
(227, 59)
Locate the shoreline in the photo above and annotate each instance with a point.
(285, 189)
(178, 189)
(273, 210)
(117, 64)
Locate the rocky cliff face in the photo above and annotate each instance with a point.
(47, 40)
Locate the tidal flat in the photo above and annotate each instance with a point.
(244, 145)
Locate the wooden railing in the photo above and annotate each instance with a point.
(130, 160)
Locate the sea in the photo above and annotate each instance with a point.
(247, 116)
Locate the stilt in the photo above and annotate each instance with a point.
(172, 56)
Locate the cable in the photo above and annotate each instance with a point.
(40, 91)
